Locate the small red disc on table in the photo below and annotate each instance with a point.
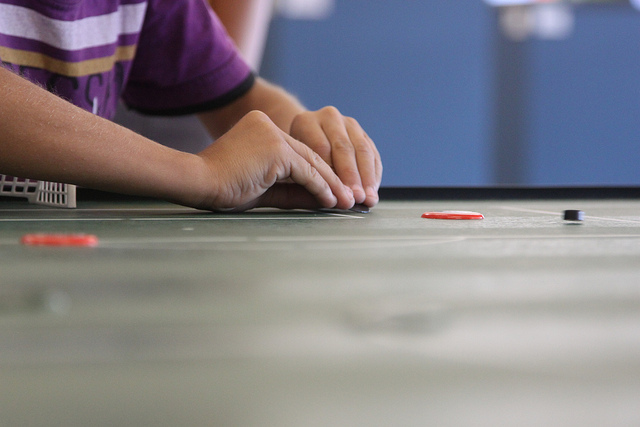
(452, 215)
(43, 239)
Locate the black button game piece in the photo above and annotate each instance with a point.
(360, 208)
(573, 215)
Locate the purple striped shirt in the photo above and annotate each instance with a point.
(160, 56)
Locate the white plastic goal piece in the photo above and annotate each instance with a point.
(39, 192)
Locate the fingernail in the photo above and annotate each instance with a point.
(372, 194)
(358, 194)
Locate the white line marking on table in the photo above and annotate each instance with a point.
(342, 238)
(508, 208)
(186, 218)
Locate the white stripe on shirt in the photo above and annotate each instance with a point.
(84, 33)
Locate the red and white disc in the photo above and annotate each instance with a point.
(452, 215)
(45, 239)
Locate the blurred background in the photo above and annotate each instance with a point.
(472, 92)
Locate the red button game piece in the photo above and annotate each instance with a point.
(42, 239)
(452, 215)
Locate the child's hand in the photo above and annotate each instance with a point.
(346, 147)
(257, 164)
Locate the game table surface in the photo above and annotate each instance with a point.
(306, 318)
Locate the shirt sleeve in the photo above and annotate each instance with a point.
(185, 62)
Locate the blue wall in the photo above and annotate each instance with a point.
(422, 78)
(585, 101)
(416, 74)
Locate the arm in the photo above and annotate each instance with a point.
(45, 137)
(339, 140)
(247, 22)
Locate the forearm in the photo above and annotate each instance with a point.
(277, 103)
(272, 100)
(247, 22)
(44, 137)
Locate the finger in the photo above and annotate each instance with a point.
(309, 167)
(368, 161)
(309, 130)
(343, 155)
(379, 167)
